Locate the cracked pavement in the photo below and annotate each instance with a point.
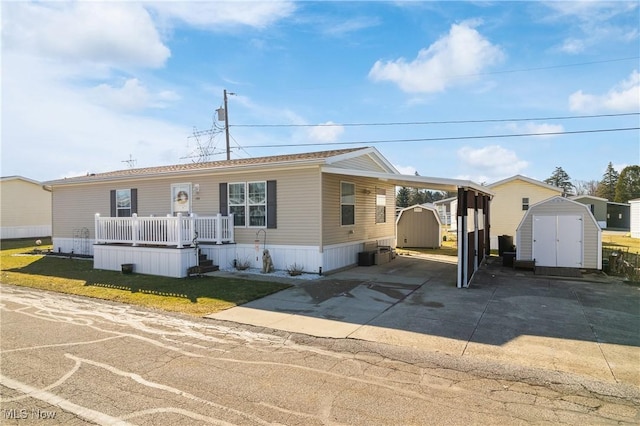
(85, 361)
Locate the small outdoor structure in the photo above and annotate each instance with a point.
(559, 232)
(635, 218)
(618, 216)
(419, 226)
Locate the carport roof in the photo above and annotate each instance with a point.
(425, 182)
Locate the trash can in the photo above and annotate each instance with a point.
(505, 243)
(366, 258)
(507, 258)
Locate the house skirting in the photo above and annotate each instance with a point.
(163, 261)
(10, 232)
(174, 262)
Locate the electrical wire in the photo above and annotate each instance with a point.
(406, 123)
(450, 138)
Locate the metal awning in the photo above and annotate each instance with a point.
(424, 182)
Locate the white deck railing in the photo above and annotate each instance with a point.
(176, 231)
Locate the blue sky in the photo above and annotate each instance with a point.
(89, 85)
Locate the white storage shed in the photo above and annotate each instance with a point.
(559, 232)
(635, 218)
(419, 226)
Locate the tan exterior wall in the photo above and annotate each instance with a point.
(24, 203)
(591, 242)
(365, 228)
(298, 203)
(506, 206)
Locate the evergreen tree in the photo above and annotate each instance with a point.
(561, 179)
(403, 197)
(607, 186)
(628, 187)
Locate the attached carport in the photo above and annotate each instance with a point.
(472, 216)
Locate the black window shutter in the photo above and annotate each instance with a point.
(134, 201)
(113, 203)
(272, 217)
(224, 208)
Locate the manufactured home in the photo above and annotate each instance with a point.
(25, 208)
(313, 210)
(559, 232)
(513, 197)
(597, 206)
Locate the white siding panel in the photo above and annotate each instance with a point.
(9, 232)
(635, 218)
(154, 261)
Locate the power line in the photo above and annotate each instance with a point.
(407, 123)
(450, 138)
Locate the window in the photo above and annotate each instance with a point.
(381, 205)
(347, 203)
(248, 200)
(123, 203)
(525, 204)
(237, 203)
(257, 202)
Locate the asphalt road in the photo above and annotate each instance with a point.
(71, 360)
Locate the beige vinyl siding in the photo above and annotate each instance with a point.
(298, 202)
(559, 207)
(361, 162)
(24, 203)
(506, 206)
(365, 228)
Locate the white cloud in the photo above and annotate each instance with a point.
(327, 132)
(534, 128)
(132, 95)
(463, 52)
(222, 15)
(490, 162)
(623, 97)
(111, 33)
(43, 115)
(406, 170)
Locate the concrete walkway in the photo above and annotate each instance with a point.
(588, 326)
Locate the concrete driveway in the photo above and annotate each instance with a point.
(588, 326)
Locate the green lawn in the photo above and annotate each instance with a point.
(195, 296)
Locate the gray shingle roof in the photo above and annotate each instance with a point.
(186, 167)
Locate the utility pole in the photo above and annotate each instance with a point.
(226, 122)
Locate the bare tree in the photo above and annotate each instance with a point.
(586, 187)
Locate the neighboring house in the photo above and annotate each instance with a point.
(618, 216)
(25, 208)
(419, 226)
(315, 210)
(559, 232)
(447, 210)
(635, 218)
(597, 206)
(512, 199)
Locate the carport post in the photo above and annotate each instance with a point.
(462, 238)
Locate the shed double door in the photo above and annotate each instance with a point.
(557, 241)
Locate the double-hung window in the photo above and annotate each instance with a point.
(347, 203)
(525, 203)
(123, 203)
(248, 203)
